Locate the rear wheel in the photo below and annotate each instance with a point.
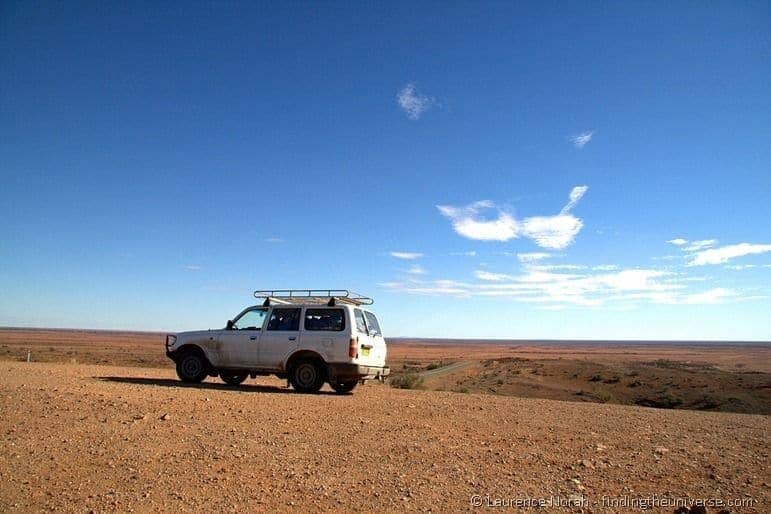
(344, 387)
(233, 379)
(307, 376)
(191, 368)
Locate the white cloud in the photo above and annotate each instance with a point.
(491, 277)
(471, 253)
(725, 253)
(407, 255)
(274, 240)
(553, 232)
(415, 270)
(695, 246)
(533, 256)
(193, 267)
(678, 241)
(582, 139)
(412, 102)
(467, 222)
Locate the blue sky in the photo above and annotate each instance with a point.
(541, 170)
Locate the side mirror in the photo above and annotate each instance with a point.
(230, 325)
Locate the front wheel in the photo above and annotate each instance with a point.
(233, 379)
(344, 387)
(307, 376)
(191, 368)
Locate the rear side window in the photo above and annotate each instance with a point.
(284, 319)
(361, 326)
(332, 320)
(372, 324)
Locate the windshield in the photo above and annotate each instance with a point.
(250, 320)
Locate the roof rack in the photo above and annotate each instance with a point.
(313, 296)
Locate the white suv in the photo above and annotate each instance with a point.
(306, 336)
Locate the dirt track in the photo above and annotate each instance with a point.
(79, 437)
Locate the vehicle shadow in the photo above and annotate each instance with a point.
(168, 382)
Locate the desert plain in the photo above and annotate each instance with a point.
(97, 421)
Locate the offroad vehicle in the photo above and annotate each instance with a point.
(306, 336)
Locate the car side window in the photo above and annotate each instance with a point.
(251, 320)
(361, 326)
(374, 326)
(284, 319)
(331, 320)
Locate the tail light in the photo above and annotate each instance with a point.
(353, 348)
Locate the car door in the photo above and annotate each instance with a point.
(280, 337)
(239, 346)
(372, 350)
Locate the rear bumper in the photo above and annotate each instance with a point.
(339, 372)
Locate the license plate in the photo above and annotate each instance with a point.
(365, 352)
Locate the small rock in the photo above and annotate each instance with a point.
(166, 417)
(661, 450)
(587, 464)
(698, 509)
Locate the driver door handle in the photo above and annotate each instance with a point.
(253, 338)
(292, 338)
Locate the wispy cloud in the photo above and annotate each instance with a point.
(193, 267)
(471, 253)
(741, 266)
(532, 256)
(581, 140)
(576, 194)
(624, 288)
(491, 277)
(692, 246)
(716, 295)
(695, 246)
(413, 103)
(553, 232)
(415, 270)
(409, 256)
(274, 240)
(723, 254)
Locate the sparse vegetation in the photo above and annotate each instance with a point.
(603, 396)
(666, 400)
(407, 381)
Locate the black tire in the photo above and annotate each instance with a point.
(307, 376)
(233, 378)
(344, 387)
(192, 368)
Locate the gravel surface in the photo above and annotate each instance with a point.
(81, 437)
